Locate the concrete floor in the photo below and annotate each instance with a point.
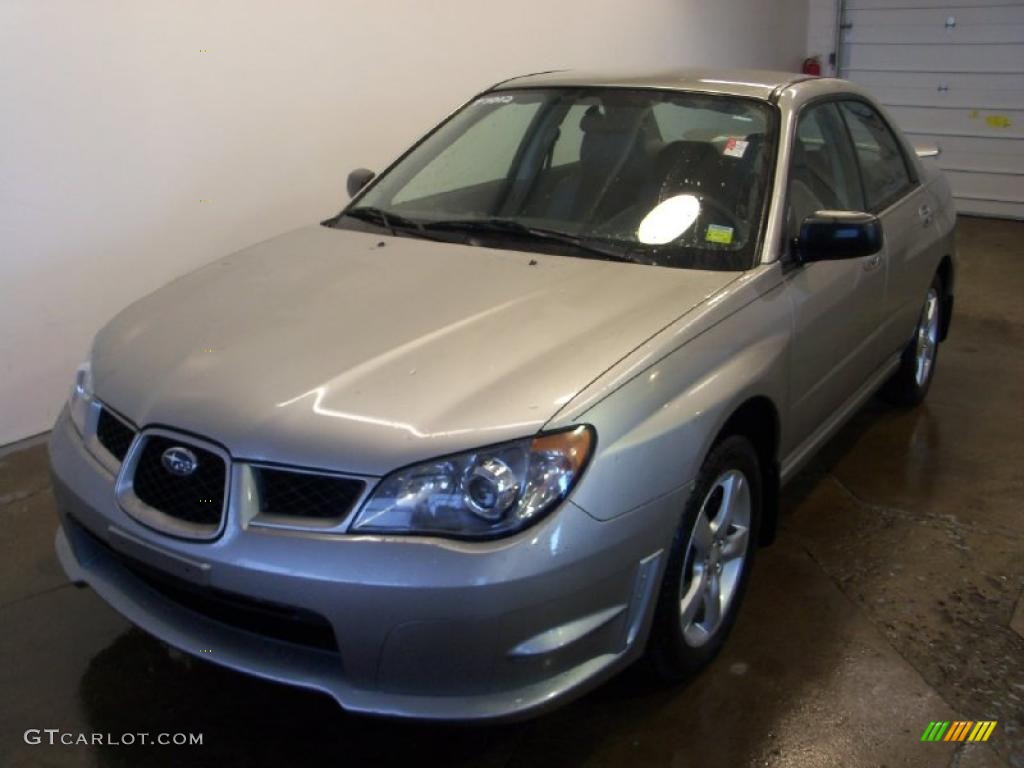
(885, 603)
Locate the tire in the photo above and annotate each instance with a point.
(910, 383)
(686, 634)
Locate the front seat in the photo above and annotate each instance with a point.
(808, 192)
(612, 167)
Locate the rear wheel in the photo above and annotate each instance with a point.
(909, 385)
(709, 562)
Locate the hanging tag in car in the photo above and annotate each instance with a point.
(735, 148)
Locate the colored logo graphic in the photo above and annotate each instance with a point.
(959, 730)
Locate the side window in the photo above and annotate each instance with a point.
(483, 153)
(823, 171)
(882, 162)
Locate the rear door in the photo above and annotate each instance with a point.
(895, 195)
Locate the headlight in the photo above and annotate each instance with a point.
(480, 494)
(81, 397)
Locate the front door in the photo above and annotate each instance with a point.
(837, 305)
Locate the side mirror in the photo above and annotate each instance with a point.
(831, 235)
(358, 179)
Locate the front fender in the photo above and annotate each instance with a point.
(656, 428)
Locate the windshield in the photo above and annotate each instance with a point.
(669, 178)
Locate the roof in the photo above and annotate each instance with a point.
(756, 83)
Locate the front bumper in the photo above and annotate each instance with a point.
(424, 628)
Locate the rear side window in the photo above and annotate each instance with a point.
(882, 162)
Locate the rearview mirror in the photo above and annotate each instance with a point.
(358, 179)
(831, 235)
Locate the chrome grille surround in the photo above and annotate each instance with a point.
(163, 520)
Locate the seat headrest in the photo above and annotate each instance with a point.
(608, 136)
(592, 120)
(621, 120)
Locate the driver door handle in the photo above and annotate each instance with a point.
(872, 262)
(925, 212)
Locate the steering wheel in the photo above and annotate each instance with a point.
(707, 202)
(629, 218)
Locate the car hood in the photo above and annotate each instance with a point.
(344, 350)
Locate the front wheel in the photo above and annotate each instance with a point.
(909, 385)
(709, 562)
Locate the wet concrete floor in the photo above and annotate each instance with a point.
(886, 603)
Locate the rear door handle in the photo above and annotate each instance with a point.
(872, 262)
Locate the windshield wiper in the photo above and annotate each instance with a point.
(394, 222)
(512, 227)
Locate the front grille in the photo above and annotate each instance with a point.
(300, 494)
(196, 498)
(261, 617)
(114, 434)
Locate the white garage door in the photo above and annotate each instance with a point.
(951, 72)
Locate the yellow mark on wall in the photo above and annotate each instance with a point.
(998, 121)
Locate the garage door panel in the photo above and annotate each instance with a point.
(935, 17)
(962, 81)
(956, 90)
(960, 152)
(927, 4)
(997, 57)
(996, 124)
(987, 185)
(996, 208)
(935, 34)
(951, 73)
(948, 97)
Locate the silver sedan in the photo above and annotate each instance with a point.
(519, 414)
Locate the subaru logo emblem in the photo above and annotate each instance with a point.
(179, 461)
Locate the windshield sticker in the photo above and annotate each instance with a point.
(735, 148)
(718, 234)
(506, 99)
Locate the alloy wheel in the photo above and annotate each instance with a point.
(927, 339)
(715, 557)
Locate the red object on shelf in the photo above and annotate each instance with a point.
(812, 66)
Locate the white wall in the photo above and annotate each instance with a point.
(140, 139)
(821, 32)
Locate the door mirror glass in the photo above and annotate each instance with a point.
(358, 179)
(831, 235)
